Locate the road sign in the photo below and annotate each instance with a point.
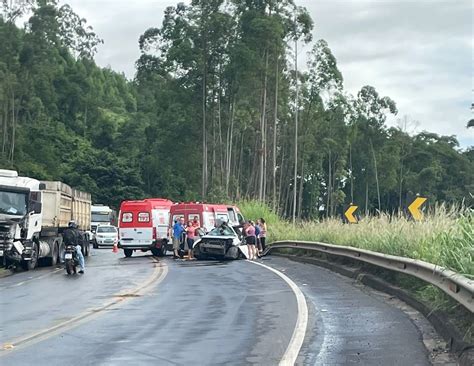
(414, 208)
(349, 214)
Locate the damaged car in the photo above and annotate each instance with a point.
(222, 242)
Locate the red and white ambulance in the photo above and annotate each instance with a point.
(207, 214)
(143, 225)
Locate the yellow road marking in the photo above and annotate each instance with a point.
(158, 275)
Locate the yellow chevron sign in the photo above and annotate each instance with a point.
(349, 214)
(414, 208)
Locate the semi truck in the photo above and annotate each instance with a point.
(33, 215)
(101, 215)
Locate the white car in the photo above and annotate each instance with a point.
(222, 242)
(105, 236)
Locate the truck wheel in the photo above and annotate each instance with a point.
(33, 262)
(156, 252)
(128, 252)
(54, 255)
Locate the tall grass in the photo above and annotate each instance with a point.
(445, 236)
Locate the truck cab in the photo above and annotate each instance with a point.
(100, 215)
(33, 215)
(20, 216)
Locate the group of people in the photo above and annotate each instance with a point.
(255, 234)
(255, 237)
(187, 233)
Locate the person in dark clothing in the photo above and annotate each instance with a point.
(73, 236)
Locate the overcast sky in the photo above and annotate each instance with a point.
(418, 52)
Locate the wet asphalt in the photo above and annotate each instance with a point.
(201, 313)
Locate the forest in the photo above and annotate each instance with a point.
(216, 111)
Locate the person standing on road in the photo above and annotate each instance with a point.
(178, 229)
(190, 234)
(73, 236)
(257, 233)
(250, 239)
(263, 233)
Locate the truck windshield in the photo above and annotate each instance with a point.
(100, 217)
(13, 203)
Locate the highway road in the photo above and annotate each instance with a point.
(145, 310)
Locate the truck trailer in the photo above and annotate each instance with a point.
(33, 215)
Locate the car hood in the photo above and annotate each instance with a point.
(218, 237)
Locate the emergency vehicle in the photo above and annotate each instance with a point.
(143, 225)
(207, 214)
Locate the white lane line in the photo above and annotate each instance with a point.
(293, 349)
(158, 275)
(30, 279)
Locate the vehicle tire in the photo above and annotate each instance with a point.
(197, 253)
(33, 263)
(156, 252)
(87, 246)
(70, 269)
(232, 253)
(163, 250)
(54, 256)
(128, 252)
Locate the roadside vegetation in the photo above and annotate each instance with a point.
(209, 114)
(445, 237)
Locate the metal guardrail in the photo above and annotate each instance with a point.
(458, 287)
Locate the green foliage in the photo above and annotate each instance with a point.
(213, 90)
(444, 237)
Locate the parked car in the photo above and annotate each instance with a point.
(105, 236)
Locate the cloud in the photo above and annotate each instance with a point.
(418, 52)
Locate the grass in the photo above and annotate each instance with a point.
(445, 237)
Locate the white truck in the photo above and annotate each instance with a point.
(33, 215)
(101, 215)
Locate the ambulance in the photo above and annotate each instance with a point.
(143, 225)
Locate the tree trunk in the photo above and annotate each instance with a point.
(366, 193)
(329, 189)
(296, 130)
(229, 146)
(376, 176)
(352, 173)
(5, 129)
(204, 142)
(261, 194)
(12, 146)
(275, 122)
(300, 193)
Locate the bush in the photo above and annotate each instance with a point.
(445, 237)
